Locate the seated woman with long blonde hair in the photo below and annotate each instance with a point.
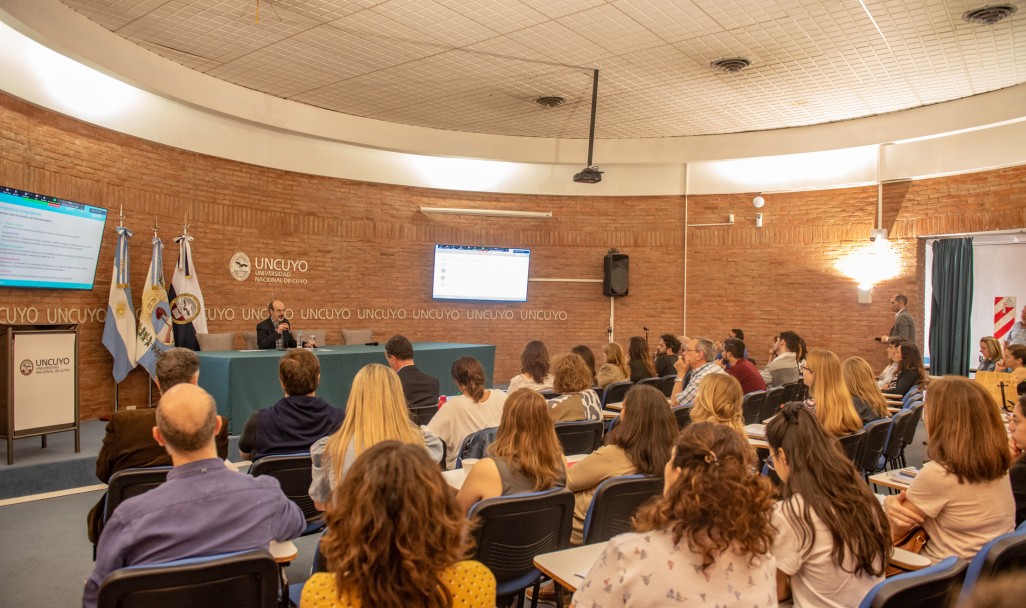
(869, 402)
(375, 412)
(615, 368)
(525, 457)
(828, 393)
(719, 400)
(396, 538)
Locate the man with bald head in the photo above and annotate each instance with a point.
(275, 326)
(202, 509)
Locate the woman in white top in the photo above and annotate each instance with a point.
(706, 541)
(375, 412)
(833, 538)
(962, 497)
(534, 369)
(476, 408)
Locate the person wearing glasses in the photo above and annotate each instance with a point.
(700, 359)
(904, 326)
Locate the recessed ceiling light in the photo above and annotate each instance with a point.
(989, 15)
(731, 64)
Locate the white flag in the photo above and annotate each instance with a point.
(186, 298)
(155, 333)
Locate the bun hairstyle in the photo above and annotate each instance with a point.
(468, 374)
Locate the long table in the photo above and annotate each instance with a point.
(243, 381)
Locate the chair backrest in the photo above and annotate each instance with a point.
(216, 342)
(357, 336)
(294, 473)
(423, 414)
(509, 531)
(615, 392)
(655, 382)
(474, 444)
(916, 392)
(615, 501)
(579, 436)
(774, 397)
(127, 483)
(683, 415)
(913, 424)
(666, 384)
(751, 406)
(549, 393)
(250, 338)
(790, 391)
(1006, 553)
(852, 444)
(926, 588)
(248, 578)
(877, 432)
(896, 435)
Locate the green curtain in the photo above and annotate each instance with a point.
(950, 340)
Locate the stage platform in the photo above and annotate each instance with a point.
(57, 467)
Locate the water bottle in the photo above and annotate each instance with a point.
(279, 344)
(299, 340)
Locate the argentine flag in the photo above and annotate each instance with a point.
(154, 332)
(119, 327)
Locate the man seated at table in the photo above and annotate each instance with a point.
(202, 509)
(128, 442)
(740, 367)
(420, 389)
(275, 326)
(296, 421)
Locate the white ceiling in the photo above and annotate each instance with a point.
(478, 65)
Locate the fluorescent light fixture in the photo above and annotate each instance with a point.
(486, 212)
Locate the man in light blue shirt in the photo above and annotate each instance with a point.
(1017, 335)
(700, 358)
(202, 509)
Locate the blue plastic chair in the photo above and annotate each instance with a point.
(614, 503)
(295, 474)
(926, 588)
(1003, 554)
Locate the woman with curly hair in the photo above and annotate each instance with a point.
(909, 371)
(525, 457)
(576, 400)
(962, 497)
(534, 369)
(833, 539)
(639, 359)
(639, 444)
(396, 538)
(828, 395)
(615, 368)
(706, 540)
(868, 400)
(719, 400)
(375, 412)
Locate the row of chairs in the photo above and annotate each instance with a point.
(760, 405)
(938, 584)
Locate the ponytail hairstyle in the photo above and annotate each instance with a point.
(715, 501)
(827, 483)
(469, 376)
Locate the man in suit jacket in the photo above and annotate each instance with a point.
(273, 326)
(904, 325)
(420, 389)
(129, 443)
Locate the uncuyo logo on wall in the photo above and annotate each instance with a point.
(27, 368)
(239, 266)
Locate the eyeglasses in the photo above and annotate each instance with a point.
(806, 368)
(690, 350)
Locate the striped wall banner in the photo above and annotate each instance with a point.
(1004, 315)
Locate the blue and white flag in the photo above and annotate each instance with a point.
(186, 298)
(154, 333)
(119, 328)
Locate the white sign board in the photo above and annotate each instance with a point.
(44, 380)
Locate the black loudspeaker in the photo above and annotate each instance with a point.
(617, 267)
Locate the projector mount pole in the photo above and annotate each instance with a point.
(594, 106)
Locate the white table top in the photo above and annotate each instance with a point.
(569, 566)
(885, 480)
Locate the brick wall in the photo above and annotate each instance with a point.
(368, 247)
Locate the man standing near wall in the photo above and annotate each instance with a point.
(904, 325)
(1017, 335)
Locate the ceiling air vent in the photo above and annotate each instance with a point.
(732, 64)
(551, 101)
(989, 15)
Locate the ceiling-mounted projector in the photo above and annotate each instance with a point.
(590, 175)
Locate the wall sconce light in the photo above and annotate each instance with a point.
(871, 264)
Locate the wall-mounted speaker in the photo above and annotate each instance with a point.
(617, 270)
